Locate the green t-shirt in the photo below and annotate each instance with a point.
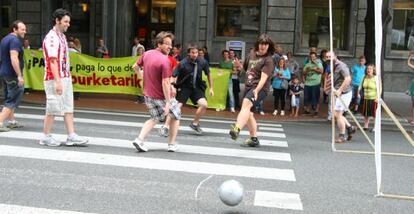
(227, 65)
(313, 78)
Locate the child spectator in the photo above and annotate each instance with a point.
(295, 90)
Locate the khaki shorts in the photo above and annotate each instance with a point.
(339, 106)
(59, 104)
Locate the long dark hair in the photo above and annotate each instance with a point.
(265, 39)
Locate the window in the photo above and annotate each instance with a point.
(79, 9)
(163, 11)
(315, 24)
(402, 33)
(5, 19)
(237, 18)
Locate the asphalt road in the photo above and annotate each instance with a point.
(294, 171)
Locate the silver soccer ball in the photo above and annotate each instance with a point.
(231, 192)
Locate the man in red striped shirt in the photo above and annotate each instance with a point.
(58, 81)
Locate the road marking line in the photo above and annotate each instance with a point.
(131, 124)
(205, 150)
(264, 128)
(274, 143)
(10, 208)
(148, 163)
(229, 121)
(280, 200)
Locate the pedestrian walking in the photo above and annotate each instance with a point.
(157, 86)
(11, 73)
(343, 96)
(189, 84)
(58, 81)
(259, 66)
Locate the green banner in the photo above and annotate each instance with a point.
(113, 75)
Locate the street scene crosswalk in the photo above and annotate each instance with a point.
(262, 171)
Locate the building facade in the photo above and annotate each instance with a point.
(294, 24)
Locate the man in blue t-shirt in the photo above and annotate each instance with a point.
(11, 73)
(358, 73)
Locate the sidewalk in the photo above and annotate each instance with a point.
(399, 103)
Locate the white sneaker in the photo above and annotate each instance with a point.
(275, 113)
(163, 131)
(232, 110)
(172, 147)
(76, 141)
(282, 113)
(139, 145)
(262, 113)
(49, 141)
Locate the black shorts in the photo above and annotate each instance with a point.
(194, 94)
(250, 96)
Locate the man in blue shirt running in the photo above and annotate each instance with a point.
(11, 73)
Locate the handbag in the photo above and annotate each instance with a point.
(284, 84)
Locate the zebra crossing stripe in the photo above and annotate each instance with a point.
(273, 143)
(148, 163)
(10, 208)
(132, 124)
(229, 121)
(205, 150)
(280, 200)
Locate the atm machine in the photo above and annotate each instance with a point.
(239, 48)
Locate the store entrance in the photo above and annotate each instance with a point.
(153, 16)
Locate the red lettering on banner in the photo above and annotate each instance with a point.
(113, 79)
(105, 81)
(121, 82)
(89, 80)
(132, 80)
(96, 80)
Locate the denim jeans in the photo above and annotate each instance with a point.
(13, 93)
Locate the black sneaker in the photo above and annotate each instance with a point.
(234, 132)
(350, 131)
(251, 143)
(196, 128)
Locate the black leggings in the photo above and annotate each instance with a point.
(279, 94)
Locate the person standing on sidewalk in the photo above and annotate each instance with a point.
(411, 65)
(369, 88)
(312, 74)
(358, 72)
(227, 63)
(11, 72)
(259, 66)
(280, 84)
(343, 96)
(157, 86)
(58, 81)
(189, 84)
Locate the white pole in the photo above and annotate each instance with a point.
(332, 77)
(378, 55)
